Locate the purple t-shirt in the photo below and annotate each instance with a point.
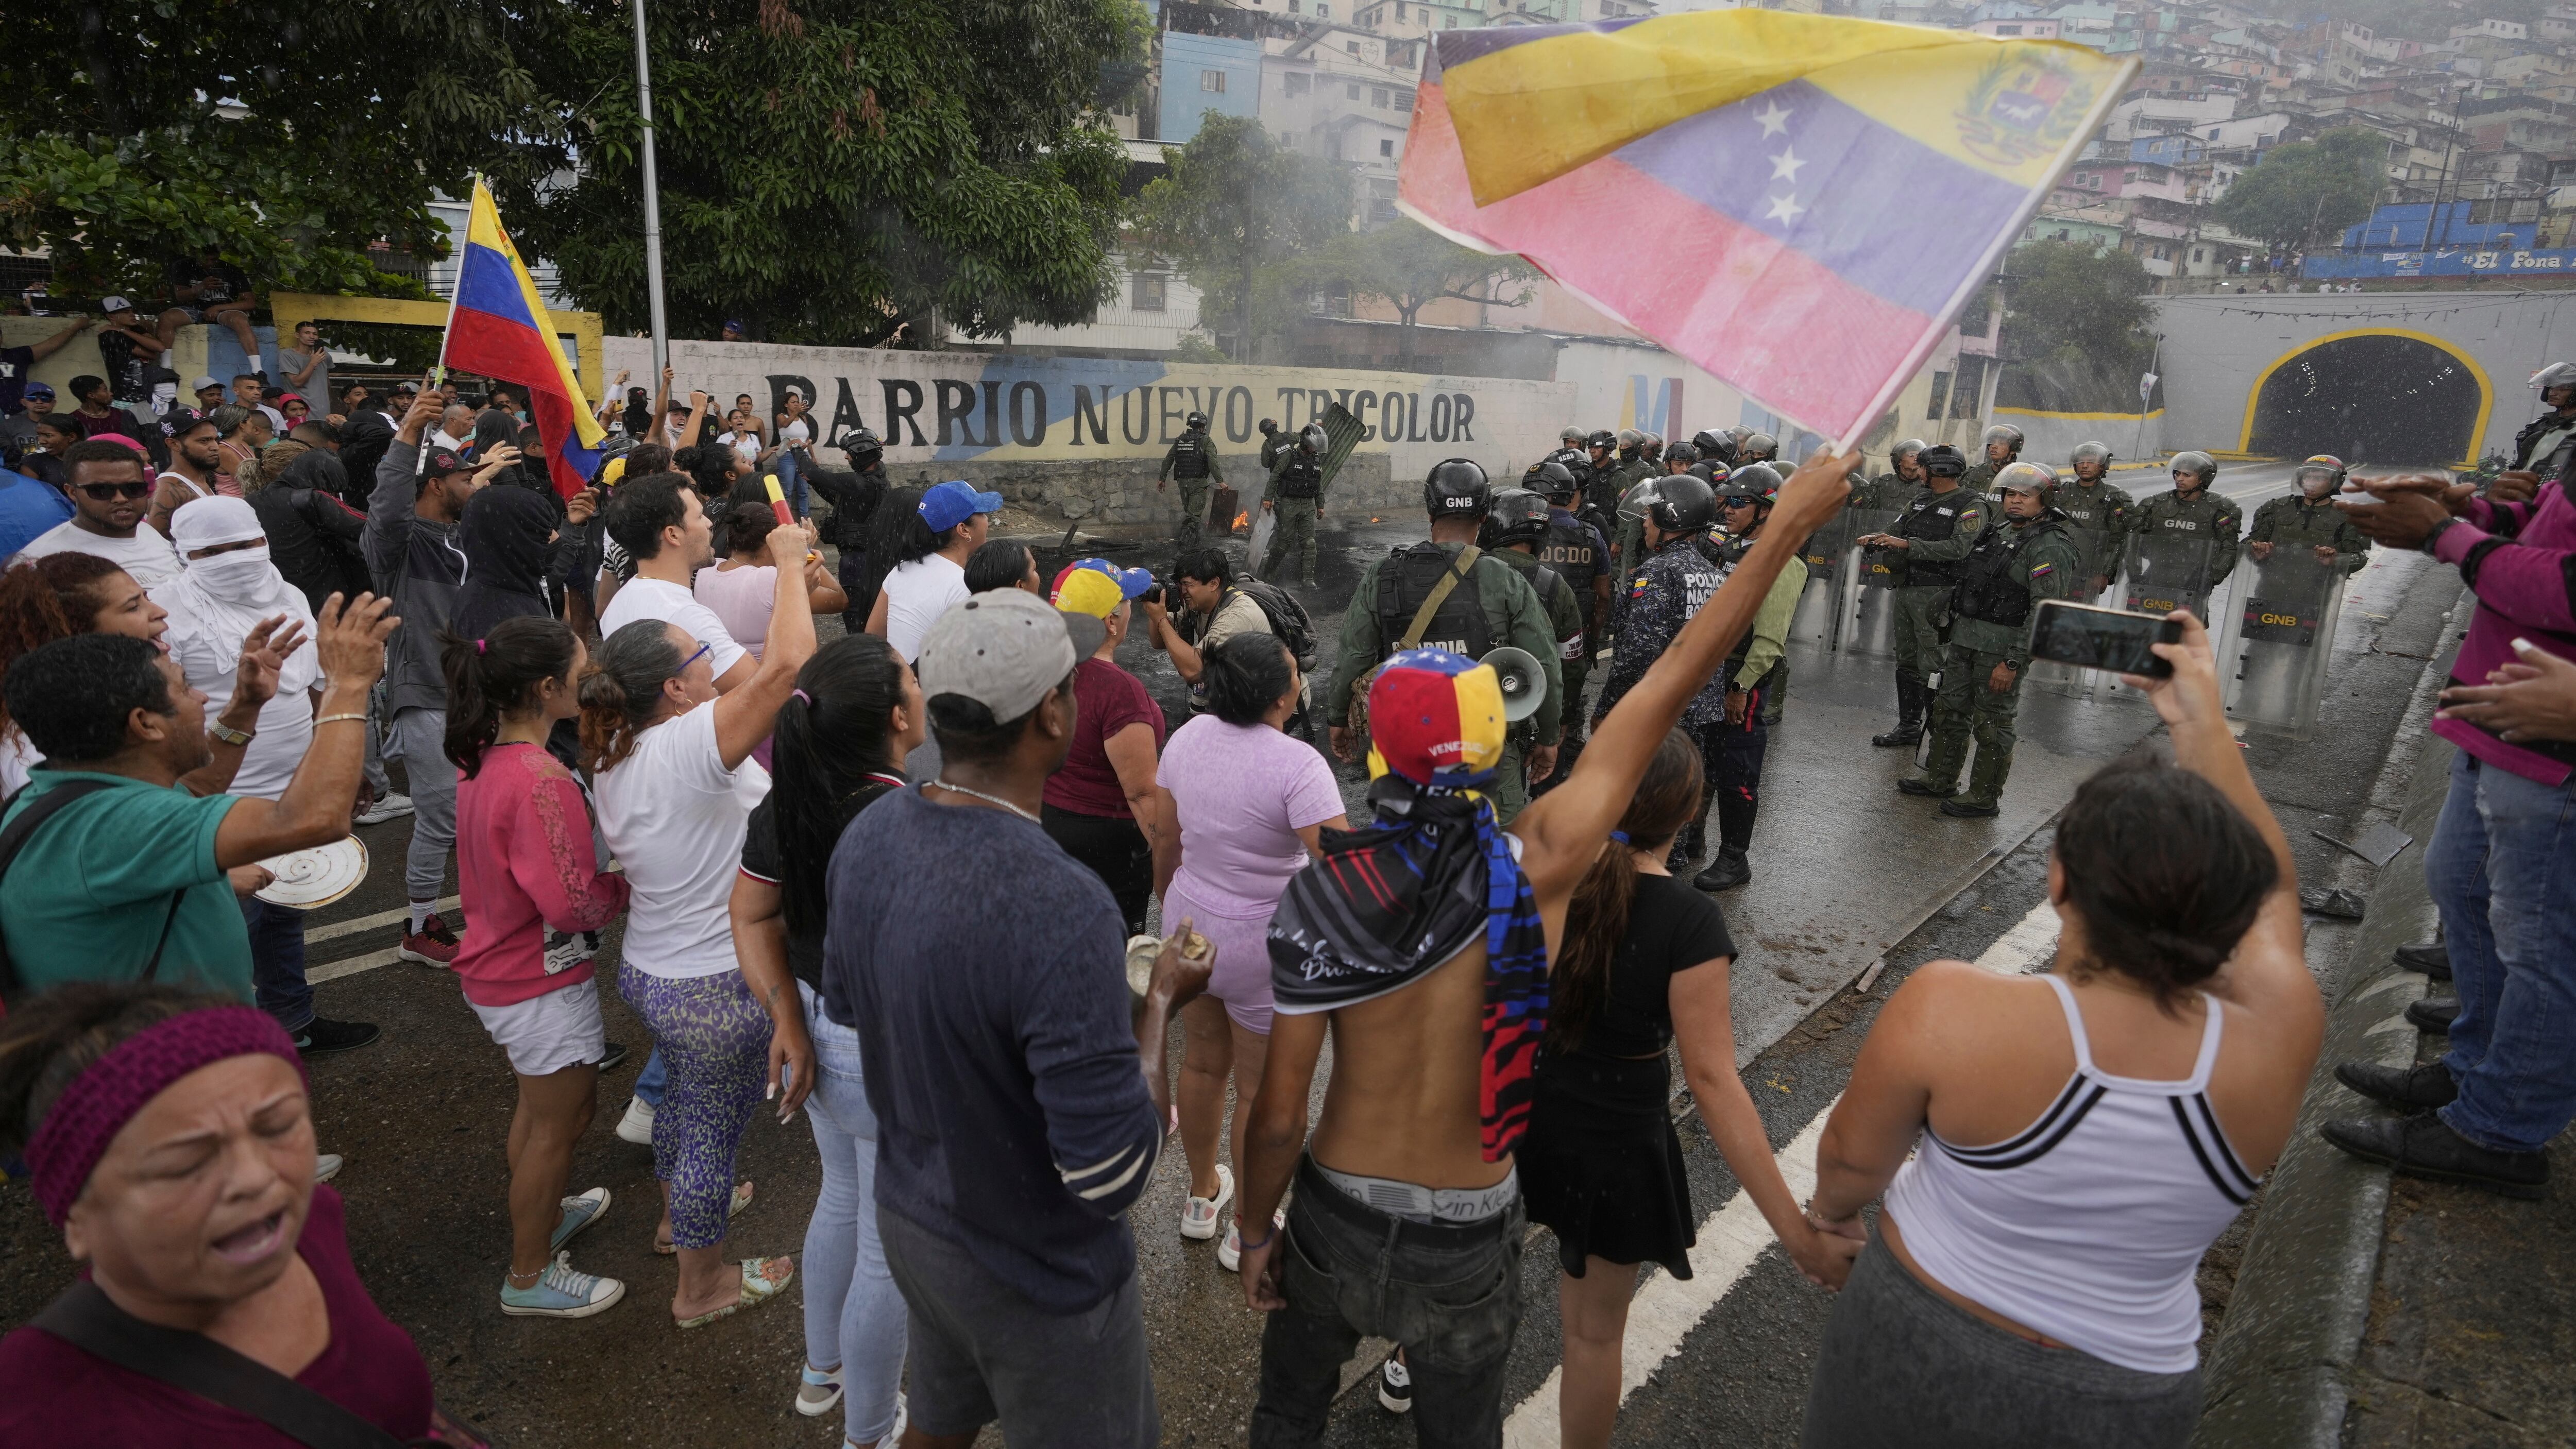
(1244, 791)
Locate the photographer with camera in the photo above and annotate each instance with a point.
(1199, 609)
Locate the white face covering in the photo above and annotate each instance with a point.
(239, 577)
(221, 597)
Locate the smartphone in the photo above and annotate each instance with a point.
(2092, 637)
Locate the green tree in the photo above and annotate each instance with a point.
(1234, 208)
(2304, 192)
(1409, 266)
(2075, 333)
(830, 169)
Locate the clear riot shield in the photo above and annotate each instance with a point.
(2274, 647)
(1819, 613)
(2067, 679)
(1868, 580)
(2168, 571)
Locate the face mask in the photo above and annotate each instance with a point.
(239, 576)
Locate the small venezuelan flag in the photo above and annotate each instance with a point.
(502, 331)
(1797, 203)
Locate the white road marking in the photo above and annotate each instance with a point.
(356, 924)
(2029, 943)
(316, 975)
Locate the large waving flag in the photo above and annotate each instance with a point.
(1797, 203)
(502, 331)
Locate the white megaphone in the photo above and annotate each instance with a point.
(1524, 681)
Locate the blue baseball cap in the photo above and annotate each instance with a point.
(953, 502)
(39, 389)
(1132, 583)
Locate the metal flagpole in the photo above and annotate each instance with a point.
(455, 289)
(652, 203)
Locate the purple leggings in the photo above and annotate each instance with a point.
(714, 1040)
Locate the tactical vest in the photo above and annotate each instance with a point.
(1991, 586)
(1303, 477)
(1930, 518)
(1406, 579)
(1574, 553)
(1190, 456)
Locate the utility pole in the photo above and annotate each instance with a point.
(652, 205)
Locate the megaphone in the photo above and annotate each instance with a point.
(1524, 681)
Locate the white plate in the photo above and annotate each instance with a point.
(307, 879)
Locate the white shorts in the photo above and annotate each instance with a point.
(545, 1034)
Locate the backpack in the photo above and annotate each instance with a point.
(1288, 619)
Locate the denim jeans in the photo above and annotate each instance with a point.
(277, 963)
(654, 1079)
(854, 1316)
(791, 479)
(2502, 868)
(1451, 1294)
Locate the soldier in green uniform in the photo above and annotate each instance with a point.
(1938, 527)
(2310, 520)
(1486, 603)
(1274, 443)
(2002, 445)
(1517, 527)
(2017, 561)
(1191, 459)
(1296, 494)
(2191, 513)
(1896, 487)
(2098, 516)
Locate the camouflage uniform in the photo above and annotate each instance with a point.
(1192, 458)
(2208, 516)
(2293, 522)
(2010, 568)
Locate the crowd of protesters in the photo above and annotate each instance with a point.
(616, 705)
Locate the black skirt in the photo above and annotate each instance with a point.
(1602, 1166)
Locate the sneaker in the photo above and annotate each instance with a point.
(818, 1392)
(1199, 1215)
(637, 1125)
(383, 808)
(322, 1036)
(1394, 1387)
(2409, 1088)
(578, 1213)
(327, 1165)
(432, 945)
(2433, 1015)
(560, 1292)
(612, 1056)
(1229, 1254)
(2425, 1146)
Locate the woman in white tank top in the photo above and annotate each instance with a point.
(2058, 1152)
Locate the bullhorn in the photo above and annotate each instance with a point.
(1524, 681)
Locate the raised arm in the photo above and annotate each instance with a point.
(315, 808)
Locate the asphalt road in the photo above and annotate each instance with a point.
(1847, 872)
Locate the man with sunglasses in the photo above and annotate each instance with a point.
(111, 489)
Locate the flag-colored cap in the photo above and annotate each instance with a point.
(1434, 716)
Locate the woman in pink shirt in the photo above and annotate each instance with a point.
(534, 899)
(742, 589)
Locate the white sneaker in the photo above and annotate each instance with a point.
(1229, 1254)
(327, 1165)
(1200, 1214)
(387, 807)
(637, 1125)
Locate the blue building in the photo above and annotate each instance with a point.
(1204, 73)
(2420, 225)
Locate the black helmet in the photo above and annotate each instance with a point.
(1196, 420)
(1762, 478)
(1707, 444)
(1757, 448)
(1269, 425)
(1683, 503)
(1715, 473)
(863, 446)
(2002, 433)
(2196, 462)
(2089, 453)
(1942, 461)
(1682, 452)
(1516, 516)
(1911, 447)
(1602, 438)
(1456, 488)
(1550, 479)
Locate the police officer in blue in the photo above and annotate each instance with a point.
(1678, 574)
(1581, 556)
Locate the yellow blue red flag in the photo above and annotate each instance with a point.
(501, 330)
(1797, 203)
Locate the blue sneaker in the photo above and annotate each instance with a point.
(578, 1213)
(560, 1292)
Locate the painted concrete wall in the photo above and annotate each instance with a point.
(194, 352)
(2217, 350)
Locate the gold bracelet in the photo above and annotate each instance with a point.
(336, 718)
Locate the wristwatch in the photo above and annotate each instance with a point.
(2434, 536)
(226, 734)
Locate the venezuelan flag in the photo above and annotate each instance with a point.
(502, 331)
(1797, 203)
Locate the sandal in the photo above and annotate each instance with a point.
(762, 1280)
(733, 1209)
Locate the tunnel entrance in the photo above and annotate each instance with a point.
(2370, 399)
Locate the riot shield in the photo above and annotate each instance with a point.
(2168, 571)
(1820, 607)
(2274, 647)
(1868, 579)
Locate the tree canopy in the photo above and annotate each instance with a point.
(1409, 266)
(2302, 193)
(1235, 206)
(2076, 331)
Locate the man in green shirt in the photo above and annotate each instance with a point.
(128, 879)
(2309, 520)
(2017, 561)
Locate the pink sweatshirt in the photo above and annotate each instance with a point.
(2520, 560)
(530, 882)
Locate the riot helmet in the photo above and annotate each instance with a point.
(1653, 446)
(1572, 436)
(1683, 503)
(2025, 478)
(1942, 461)
(2006, 434)
(1762, 478)
(864, 448)
(1629, 439)
(2096, 454)
(2329, 469)
(2198, 464)
(1516, 515)
(1312, 437)
(1269, 426)
(1552, 480)
(1757, 448)
(1682, 452)
(1195, 421)
(1909, 448)
(1707, 444)
(1632, 504)
(1602, 439)
(1713, 472)
(1456, 488)
(2555, 375)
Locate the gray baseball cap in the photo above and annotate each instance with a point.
(1004, 649)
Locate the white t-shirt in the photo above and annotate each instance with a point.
(916, 594)
(285, 729)
(147, 555)
(643, 598)
(674, 816)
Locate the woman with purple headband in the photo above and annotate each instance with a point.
(169, 1137)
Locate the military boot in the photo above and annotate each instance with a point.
(1909, 715)
(1940, 777)
(1985, 789)
(1725, 873)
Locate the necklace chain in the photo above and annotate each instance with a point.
(944, 784)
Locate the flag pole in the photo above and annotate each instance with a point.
(652, 204)
(455, 289)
